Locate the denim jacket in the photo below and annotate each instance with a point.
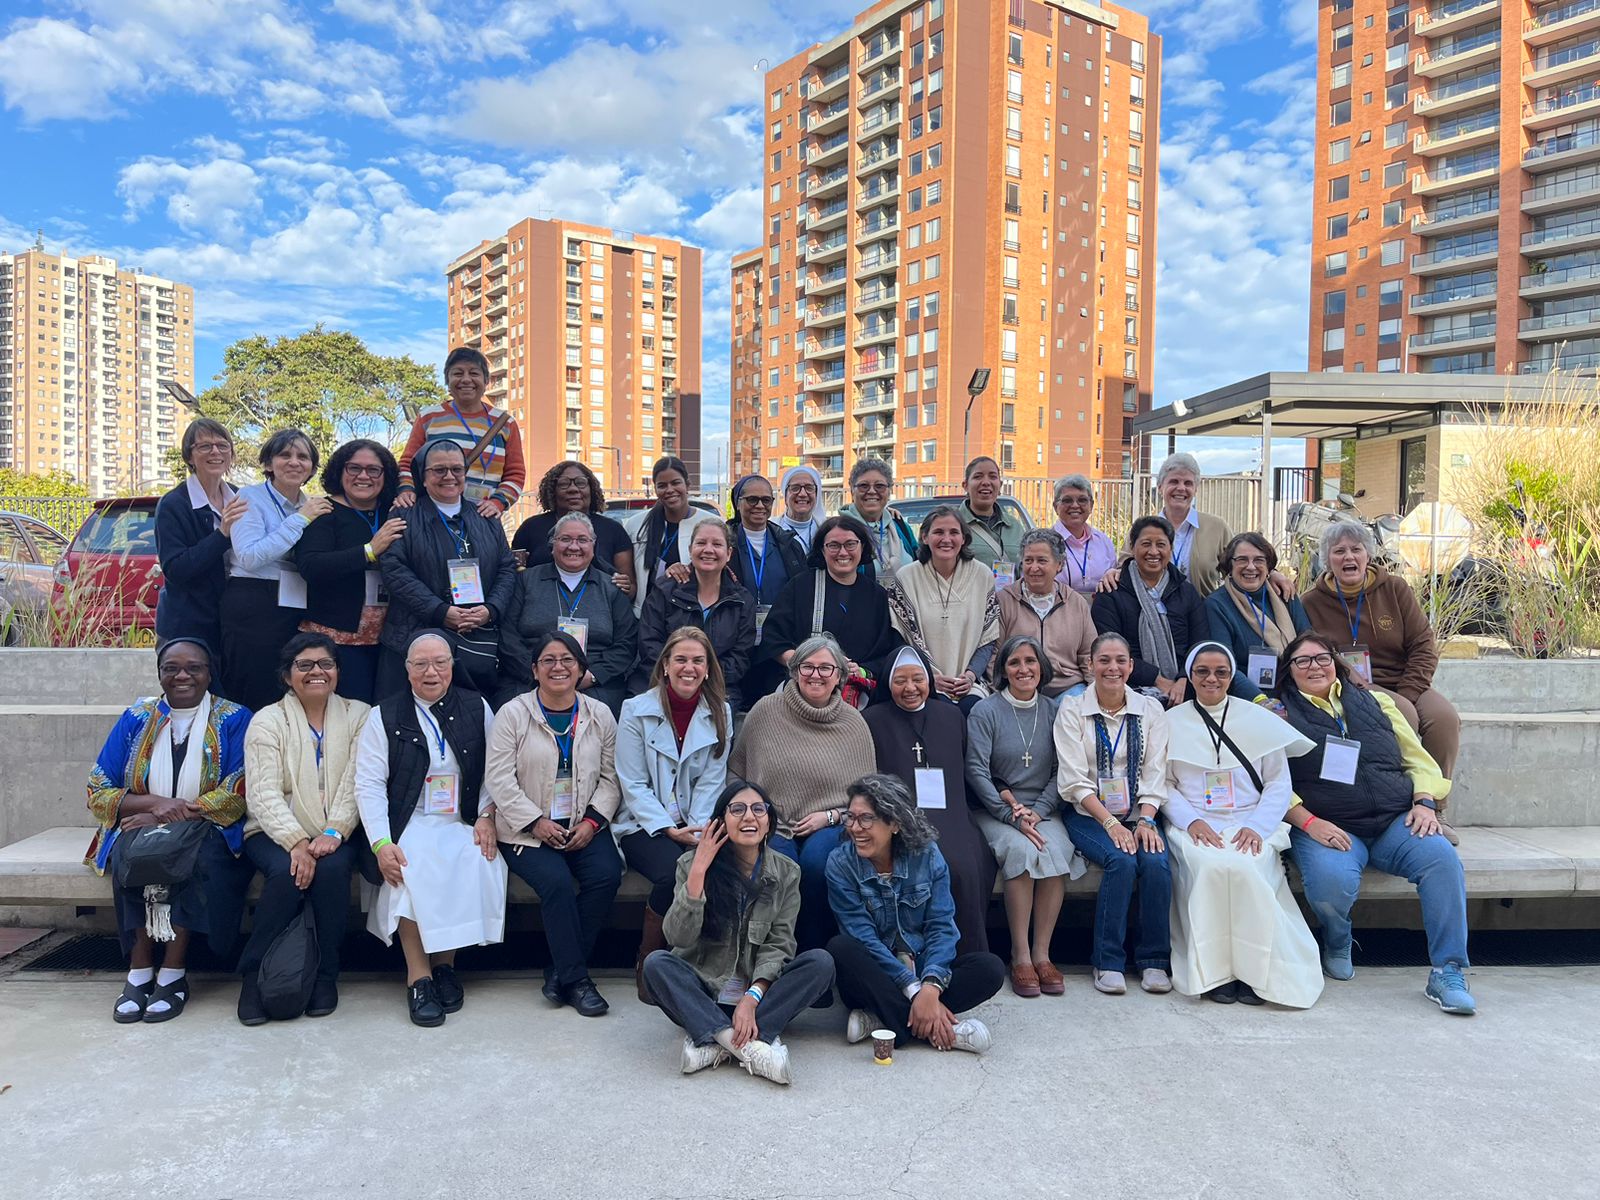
(914, 906)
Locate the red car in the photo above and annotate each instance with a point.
(106, 583)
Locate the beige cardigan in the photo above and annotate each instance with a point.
(520, 771)
(282, 797)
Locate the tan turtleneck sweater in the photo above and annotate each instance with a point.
(804, 757)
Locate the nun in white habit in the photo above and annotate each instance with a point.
(1237, 933)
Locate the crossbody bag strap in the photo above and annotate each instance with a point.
(816, 603)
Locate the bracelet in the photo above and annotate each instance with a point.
(833, 816)
(754, 993)
(592, 821)
(367, 550)
(1109, 824)
(333, 833)
(380, 844)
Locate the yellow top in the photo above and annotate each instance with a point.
(1426, 778)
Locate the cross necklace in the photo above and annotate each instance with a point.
(1027, 742)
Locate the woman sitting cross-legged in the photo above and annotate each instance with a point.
(732, 981)
(1369, 793)
(1237, 932)
(428, 814)
(895, 957)
(300, 796)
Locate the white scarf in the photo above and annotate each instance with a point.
(157, 897)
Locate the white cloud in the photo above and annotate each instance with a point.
(212, 197)
(35, 82)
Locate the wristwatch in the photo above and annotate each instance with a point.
(1150, 821)
(1427, 803)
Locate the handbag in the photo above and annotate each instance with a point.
(289, 968)
(162, 855)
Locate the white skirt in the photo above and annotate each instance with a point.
(1234, 918)
(455, 895)
(1018, 856)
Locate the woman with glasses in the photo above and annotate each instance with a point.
(1247, 615)
(801, 489)
(661, 535)
(896, 959)
(194, 524)
(893, 542)
(672, 760)
(552, 768)
(1237, 932)
(451, 568)
(712, 600)
(804, 745)
(570, 593)
(766, 556)
(944, 604)
(1369, 798)
(837, 596)
(1040, 605)
(338, 558)
(732, 980)
(300, 801)
(571, 487)
(427, 811)
(497, 473)
(1089, 552)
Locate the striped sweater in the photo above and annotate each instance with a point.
(501, 471)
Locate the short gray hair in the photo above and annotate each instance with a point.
(814, 643)
(891, 800)
(1074, 483)
(569, 519)
(1180, 461)
(1056, 544)
(863, 465)
(1341, 531)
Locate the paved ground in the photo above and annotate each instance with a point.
(1373, 1092)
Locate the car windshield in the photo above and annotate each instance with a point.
(118, 531)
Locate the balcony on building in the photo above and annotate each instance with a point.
(1553, 22)
(826, 250)
(877, 433)
(1455, 293)
(879, 153)
(879, 83)
(818, 379)
(1458, 173)
(831, 313)
(1438, 20)
(882, 49)
(824, 184)
(1556, 106)
(1581, 357)
(883, 258)
(879, 223)
(824, 409)
(1579, 316)
(1470, 48)
(821, 283)
(825, 345)
(1550, 193)
(826, 442)
(879, 295)
(822, 152)
(822, 217)
(1462, 131)
(1457, 253)
(1556, 278)
(1562, 232)
(1571, 58)
(827, 82)
(824, 118)
(1457, 93)
(1578, 145)
(875, 329)
(1474, 335)
(882, 116)
(874, 364)
(875, 397)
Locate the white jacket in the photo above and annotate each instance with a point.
(650, 767)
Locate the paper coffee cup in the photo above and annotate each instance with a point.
(522, 559)
(882, 1047)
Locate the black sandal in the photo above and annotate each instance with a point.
(139, 993)
(176, 994)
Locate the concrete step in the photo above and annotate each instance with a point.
(1528, 770)
(46, 751)
(1514, 685)
(76, 676)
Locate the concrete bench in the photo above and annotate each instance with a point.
(1560, 863)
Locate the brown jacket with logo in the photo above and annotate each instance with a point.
(1393, 628)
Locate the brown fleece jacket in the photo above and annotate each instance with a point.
(1393, 628)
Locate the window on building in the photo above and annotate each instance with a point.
(1340, 75)
(1333, 339)
(1394, 174)
(1392, 253)
(1338, 226)
(1390, 291)
(1335, 264)
(1339, 151)
(1339, 113)
(1339, 188)
(1393, 213)
(1333, 303)
(1394, 135)
(1343, 37)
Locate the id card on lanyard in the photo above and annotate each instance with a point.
(1005, 573)
(1262, 667)
(466, 585)
(441, 790)
(1359, 659)
(1114, 792)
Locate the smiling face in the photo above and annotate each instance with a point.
(429, 667)
(708, 549)
(1348, 560)
(1023, 672)
(291, 466)
(945, 538)
(445, 476)
(817, 677)
(1039, 568)
(1249, 568)
(1152, 552)
(800, 498)
(872, 836)
(755, 505)
(687, 667)
(746, 826)
(466, 382)
(211, 457)
(556, 671)
(1111, 666)
(1074, 508)
(672, 492)
(313, 675)
(870, 492)
(908, 686)
(185, 674)
(1211, 674)
(1312, 668)
(1177, 491)
(983, 486)
(362, 479)
(572, 490)
(841, 552)
(572, 547)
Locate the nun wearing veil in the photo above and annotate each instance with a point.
(1237, 933)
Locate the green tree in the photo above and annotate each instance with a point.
(325, 382)
(52, 483)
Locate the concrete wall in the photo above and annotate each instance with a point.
(76, 676)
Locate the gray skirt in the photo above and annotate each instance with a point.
(1018, 856)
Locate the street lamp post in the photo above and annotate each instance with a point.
(616, 454)
(975, 388)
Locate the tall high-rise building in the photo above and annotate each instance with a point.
(953, 185)
(1457, 209)
(84, 347)
(593, 342)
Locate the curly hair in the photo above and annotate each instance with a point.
(547, 487)
(891, 801)
(333, 472)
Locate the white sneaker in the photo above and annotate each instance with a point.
(972, 1035)
(860, 1025)
(1112, 983)
(768, 1060)
(698, 1058)
(1156, 981)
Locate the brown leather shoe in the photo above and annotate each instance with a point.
(1450, 835)
(1024, 981)
(1051, 981)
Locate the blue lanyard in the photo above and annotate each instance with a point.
(1261, 612)
(488, 450)
(1110, 746)
(758, 569)
(372, 521)
(668, 532)
(1083, 563)
(563, 740)
(459, 539)
(1180, 554)
(1355, 622)
(272, 495)
(433, 728)
(577, 597)
(318, 736)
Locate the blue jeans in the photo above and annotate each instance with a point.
(1333, 879)
(1152, 873)
(815, 925)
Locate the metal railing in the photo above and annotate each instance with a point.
(64, 514)
(1553, 16)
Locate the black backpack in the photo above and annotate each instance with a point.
(289, 968)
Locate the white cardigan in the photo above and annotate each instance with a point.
(650, 766)
(281, 795)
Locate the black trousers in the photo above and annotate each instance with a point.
(254, 633)
(655, 856)
(328, 896)
(974, 978)
(575, 889)
(211, 904)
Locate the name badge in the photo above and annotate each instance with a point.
(1359, 660)
(374, 589)
(1340, 757)
(564, 803)
(930, 787)
(733, 990)
(466, 585)
(1219, 791)
(761, 619)
(1005, 573)
(1262, 668)
(291, 589)
(1114, 795)
(577, 628)
(440, 796)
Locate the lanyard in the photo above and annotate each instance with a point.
(563, 740)
(1108, 744)
(372, 521)
(1355, 621)
(1215, 731)
(1181, 554)
(318, 736)
(669, 531)
(882, 530)
(758, 569)
(1261, 612)
(272, 494)
(488, 450)
(1083, 563)
(460, 539)
(577, 597)
(433, 728)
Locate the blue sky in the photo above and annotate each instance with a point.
(322, 161)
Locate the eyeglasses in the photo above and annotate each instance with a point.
(866, 820)
(1306, 661)
(849, 547)
(739, 808)
(306, 665)
(1254, 560)
(818, 670)
(573, 483)
(173, 670)
(1074, 502)
(1210, 673)
(574, 541)
(423, 665)
(448, 472)
(359, 470)
(803, 489)
(566, 660)
(871, 487)
(213, 447)
(763, 501)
